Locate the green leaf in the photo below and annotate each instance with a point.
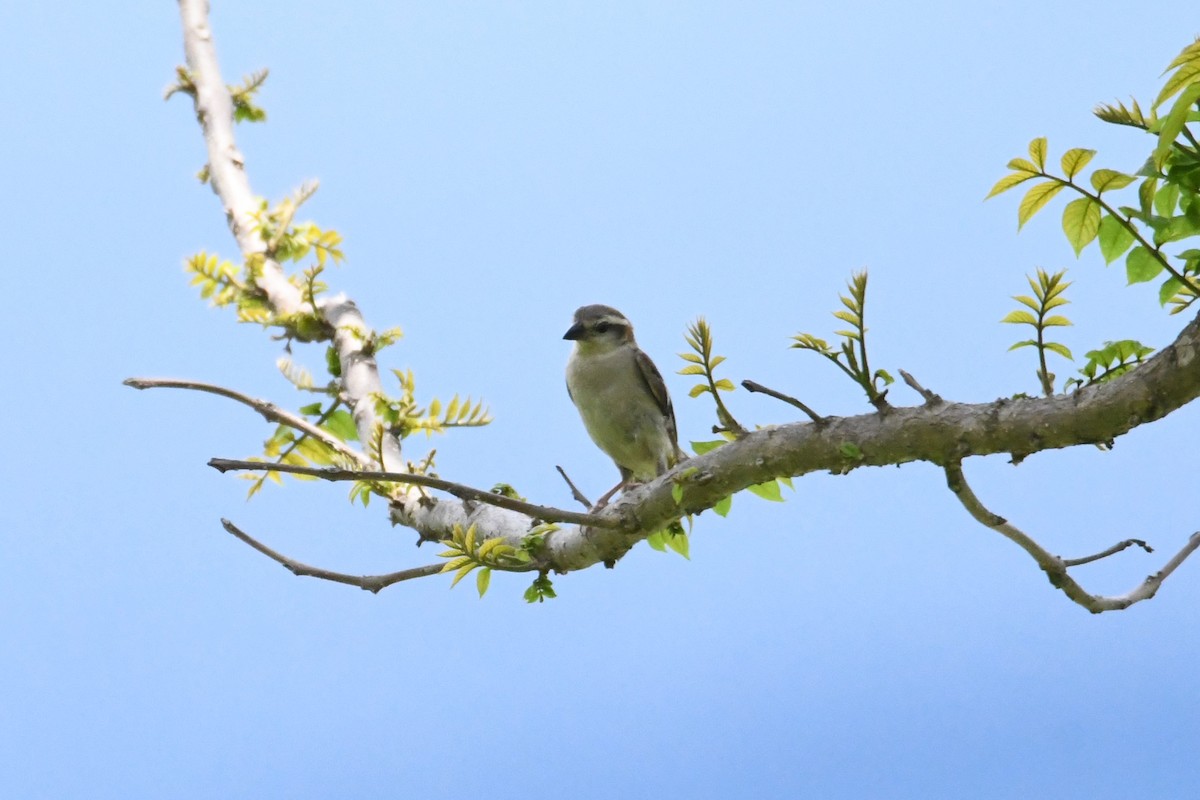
(1188, 72)
(679, 543)
(1168, 290)
(1141, 265)
(1009, 181)
(1146, 191)
(1105, 179)
(1115, 238)
(723, 505)
(311, 410)
(767, 491)
(655, 540)
(1023, 165)
(1035, 199)
(700, 448)
(540, 589)
(341, 424)
(850, 450)
(1176, 228)
(698, 389)
(724, 384)
(1187, 54)
(1055, 320)
(482, 580)
(1166, 199)
(454, 563)
(463, 571)
(1076, 159)
(677, 493)
(1037, 151)
(1060, 349)
(1173, 122)
(1020, 317)
(1026, 343)
(1081, 222)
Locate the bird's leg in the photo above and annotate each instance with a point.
(603, 501)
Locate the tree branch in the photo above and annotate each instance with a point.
(270, 411)
(576, 495)
(371, 583)
(931, 398)
(1116, 548)
(1055, 567)
(214, 110)
(942, 433)
(754, 386)
(459, 490)
(226, 165)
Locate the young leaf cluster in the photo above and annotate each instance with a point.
(290, 446)
(403, 415)
(287, 240)
(701, 361)
(854, 342)
(221, 283)
(673, 537)
(467, 554)
(1110, 361)
(540, 589)
(1047, 295)
(224, 284)
(1167, 205)
(244, 107)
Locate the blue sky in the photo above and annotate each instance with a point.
(493, 166)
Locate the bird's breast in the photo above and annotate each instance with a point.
(620, 414)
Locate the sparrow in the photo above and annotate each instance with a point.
(621, 397)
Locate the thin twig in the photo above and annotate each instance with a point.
(1116, 548)
(270, 411)
(931, 398)
(1055, 567)
(461, 491)
(371, 583)
(578, 496)
(752, 386)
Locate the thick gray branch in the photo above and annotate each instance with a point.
(942, 433)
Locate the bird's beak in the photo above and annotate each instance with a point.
(574, 332)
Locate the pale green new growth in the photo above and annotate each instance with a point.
(1168, 195)
(854, 343)
(1110, 361)
(702, 362)
(1048, 290)
(466, 554)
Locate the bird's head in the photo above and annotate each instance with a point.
(599, 329)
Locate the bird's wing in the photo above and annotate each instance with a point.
(658, 389)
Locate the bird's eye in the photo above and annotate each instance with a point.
(602, 327)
